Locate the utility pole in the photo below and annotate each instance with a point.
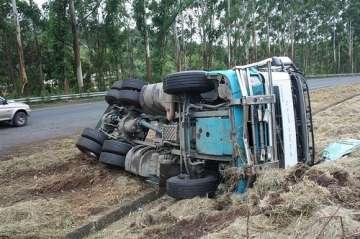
(22, 71)
(76, 46)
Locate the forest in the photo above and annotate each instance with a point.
(70, 46)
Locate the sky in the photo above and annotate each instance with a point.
(39, 2)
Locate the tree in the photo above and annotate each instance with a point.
(140, 15)
(22, 71)
(152, 38)
(76, 46)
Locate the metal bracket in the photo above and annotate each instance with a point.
(254, 100)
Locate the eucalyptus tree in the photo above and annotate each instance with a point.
(22, 70)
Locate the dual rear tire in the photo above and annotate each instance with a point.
(110, 152)
(125, 92)
(114, 152)
(91, 141)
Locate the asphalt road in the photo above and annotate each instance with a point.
(60, 121)
(315, 84)
(52, 122)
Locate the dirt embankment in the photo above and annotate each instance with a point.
(301, 202)
(49, 191)
(326, 98)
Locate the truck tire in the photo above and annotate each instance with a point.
(88, 146)
(187, 82)
(112, 96)
(123, 97)
(183, 187)
(20, 119)
(95, 135)
(111, 159)
(116, 147)
(130, 84)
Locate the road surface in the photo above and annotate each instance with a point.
(60, 121)
(315, 84)
(52, 122)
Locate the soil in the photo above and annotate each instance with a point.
(300, 202)
(49, 189)
(323, 99)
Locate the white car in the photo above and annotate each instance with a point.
(14, 112)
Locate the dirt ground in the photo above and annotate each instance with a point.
(322, 99)
(49, 188)
(317, 202)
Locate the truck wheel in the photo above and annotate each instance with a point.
(111, 159)
(112, 96)
(182, 186)
(116, 147)
(88, 146)
(131, 84)
(189, 82)
(20, 119)
(95, 135)
(122, 97)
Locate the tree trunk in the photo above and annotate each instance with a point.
(162, 53)
(147, 56)
(76, 46)
(177, 48)
(182, 45)
(268, 37)
(38, 53)
(339, 57)
(334, 45)
(203, 48)
(130, 55)
(22, 71)
(351, 49)
(66, 81)
(254, 41)
(292, 27)
(118, 72)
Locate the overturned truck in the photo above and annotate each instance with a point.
(186, 132)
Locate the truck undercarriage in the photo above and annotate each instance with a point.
(186, 132)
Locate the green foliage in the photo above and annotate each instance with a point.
(182, 34)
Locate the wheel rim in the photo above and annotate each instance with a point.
(21, 119)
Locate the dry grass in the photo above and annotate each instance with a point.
(47, 192)
(33, 219)
(292, 203)
(338, 122)
(53, 188)
(322, 99)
